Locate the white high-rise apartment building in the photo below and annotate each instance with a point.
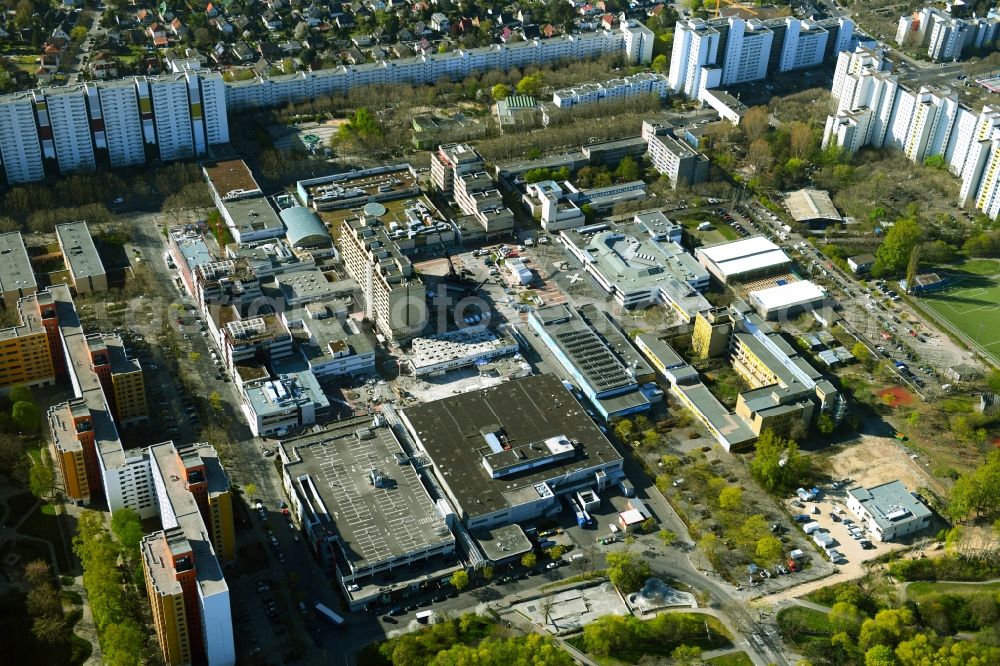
(171, 117)
(747, 51)
(20, 151)
(72, 140)
(121, 126)
(725, 51)
(695, 50)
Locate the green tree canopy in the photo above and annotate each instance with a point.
(530, 85)
(500, 91)
(627, 571)
(460, 580)
(777, 464)
(27, 417)
(893, 253)
(731, 498)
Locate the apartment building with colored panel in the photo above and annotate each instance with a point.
(31, 353)
(73, 439)
(188, 595)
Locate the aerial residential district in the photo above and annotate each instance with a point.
(395, 332)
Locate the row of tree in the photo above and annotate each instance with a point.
(662, 635)
(114, 601)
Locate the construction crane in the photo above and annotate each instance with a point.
(733, 3)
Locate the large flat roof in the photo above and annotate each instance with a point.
(231, 179)
(806, 205)
(15, 267)
(374, 523)
(79, 250)
(528, 410)
(890, 503)
(743, 256)
(584, 348)
(181, 517)
(788, 295)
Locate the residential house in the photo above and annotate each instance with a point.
(240, 23)
(439, 22)
(102, 66)
(178, 29)
(271, 21)
(243, 53)
(159, 34)
(222, 25)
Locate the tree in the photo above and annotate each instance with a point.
(977, 491)
(912, 266)
(27, 417)
(627, 571)
(628, 170)
(846, 617)
(888, 627)
(41, 479)
(769, 550)
(825, 423)
(777, 464)
(530, 85)
(647, 526)
(759, 155)
(755, 123)
(686, 655)
(670, 464)
(78, 34)
(20, 393)
(487, 573)
(194, 357)
(251, 489)
(460, 580)
(215, 402)
(623, 430)
(802, 140)
(650, 438)
(863, 354)
(667, 537)
(880, 655)
(127, 528)
(731, 498)
(893, 253)
(607, 634)
(529, 561)
(500, 91)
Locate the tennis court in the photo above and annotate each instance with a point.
(972, 305)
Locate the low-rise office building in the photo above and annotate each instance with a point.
(505, 454)
(365, 512)
(17, 277)
(239, 199)
(86, 271)
(637, 266)
(331, 347)
(728, 428)
(438, 354)
(889, 511)
(597, 356)
(293, 399)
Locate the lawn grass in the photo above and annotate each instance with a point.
(979, 267)
(44, 525)
(971, 305)
(812, 621)
(917, 592)
(731, 659)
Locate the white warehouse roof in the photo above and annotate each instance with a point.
(787, 295)
(743, 256)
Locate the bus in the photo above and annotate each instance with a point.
(329, 614)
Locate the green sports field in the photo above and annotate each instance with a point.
(972, 303)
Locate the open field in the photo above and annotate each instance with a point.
(972, 304)
(918, 591)
(870, 462)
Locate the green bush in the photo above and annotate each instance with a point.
(945, 568)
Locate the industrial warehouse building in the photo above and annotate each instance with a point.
(743, 260)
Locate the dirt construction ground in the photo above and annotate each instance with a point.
(872, 461)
